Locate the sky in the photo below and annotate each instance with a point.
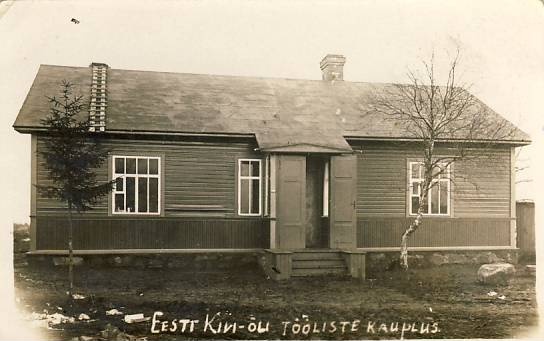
(501, 44)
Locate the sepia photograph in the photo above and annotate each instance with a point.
(256, 170)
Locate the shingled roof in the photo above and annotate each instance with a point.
(279, 112)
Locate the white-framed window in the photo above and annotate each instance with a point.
(137, 185)
(438, 198)
(249, 187)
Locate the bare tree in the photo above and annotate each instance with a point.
(522, 166)
(446, 115)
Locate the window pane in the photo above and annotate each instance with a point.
(153, 195)
(415, 204)
(119, 184)
(119, 202)
(436, 172)
(255, 168)
(119, 165)
(445, 174)
(244, 196)
(244, 168)
(416, 171)
(142, 194)
(426, 206)
(130, 194)
(131, 165)
(444, 197)
(434, 199)
(142, 166)
(415, 188)
(255, 197)
(153, 166)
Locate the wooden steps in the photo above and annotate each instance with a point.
(318, 262)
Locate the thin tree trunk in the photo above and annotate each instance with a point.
(404, 240)
(70, 250)
(408, 232)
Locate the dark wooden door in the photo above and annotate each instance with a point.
(291, 199)
(343, 187)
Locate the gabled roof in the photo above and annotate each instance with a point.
(281, 113)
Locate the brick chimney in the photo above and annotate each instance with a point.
(332, 66)
(99, 101)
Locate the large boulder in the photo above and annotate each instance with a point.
(496, 273)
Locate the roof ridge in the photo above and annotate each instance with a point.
(227, 76)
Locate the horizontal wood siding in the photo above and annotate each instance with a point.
(525, 223)
(381, 181)
(158, 233)
(481, 187)
(198, 177)
(438, 232)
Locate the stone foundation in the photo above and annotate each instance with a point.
(381, 261)
(255, 261)
(204, 262)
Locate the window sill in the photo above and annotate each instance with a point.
(431, 216)
(135, 214)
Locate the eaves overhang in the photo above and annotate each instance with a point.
(401, 139)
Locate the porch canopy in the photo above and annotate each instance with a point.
(306, 139)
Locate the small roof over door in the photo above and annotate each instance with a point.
(307, 139)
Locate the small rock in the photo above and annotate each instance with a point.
(78, 297)
(89, 338)
(502, 297)
(135, 318)
(57, 318)
(458, 258)
(38, 316)
(439, 259)
(83, 316)
(114, 312)
(497, 273)
(491, 294)
(117, 260)
(60, 261)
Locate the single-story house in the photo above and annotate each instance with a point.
(300, 168)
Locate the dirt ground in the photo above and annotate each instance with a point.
(442, 302)
(439, 302)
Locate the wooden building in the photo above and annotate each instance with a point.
(210, 163)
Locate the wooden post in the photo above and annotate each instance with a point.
(356, 262)
(279, 265)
